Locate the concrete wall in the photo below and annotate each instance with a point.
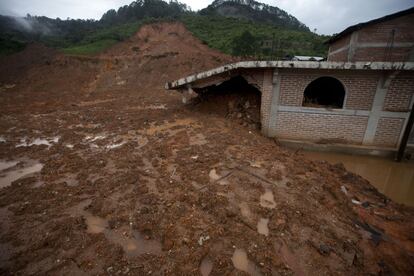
(372, 42)
(375, 111)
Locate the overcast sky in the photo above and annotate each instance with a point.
(327, 16)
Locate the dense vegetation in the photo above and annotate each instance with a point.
(241, 36)
(254, 11)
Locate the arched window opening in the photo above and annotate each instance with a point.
(324, 92)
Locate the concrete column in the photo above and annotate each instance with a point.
(411, 137)
(188, 94)
(274, 105)
(377, 107)
(352, 46)
(265, 108)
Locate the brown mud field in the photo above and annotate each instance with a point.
(103, 172)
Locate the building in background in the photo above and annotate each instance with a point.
(389, 39)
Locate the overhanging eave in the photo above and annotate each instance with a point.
(193, 79)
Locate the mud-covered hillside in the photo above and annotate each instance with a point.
(104, 172)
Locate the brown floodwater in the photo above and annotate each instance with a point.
(395, 180)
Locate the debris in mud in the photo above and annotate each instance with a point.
(115, 145)
(25, 142)
(91, 139)
(376, 235)
(6, 87)
(234, 99)
(203, 239)
(324, 249)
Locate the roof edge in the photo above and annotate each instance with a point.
(364, 24)
(325, 65)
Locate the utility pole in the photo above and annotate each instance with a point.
(406, 136)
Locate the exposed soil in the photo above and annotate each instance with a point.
(134, 182)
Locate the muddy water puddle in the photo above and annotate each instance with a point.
(242, 263)
(206, 266)
(262, 226)
(245, 210)
(395, 180)
(4, 165)
(267, 200)
(132, 241)
(25, 142)
(11, 171)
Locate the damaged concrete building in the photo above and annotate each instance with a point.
(359, 99)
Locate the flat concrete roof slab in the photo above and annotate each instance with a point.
(183, 82)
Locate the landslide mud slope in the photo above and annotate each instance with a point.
(119, 177)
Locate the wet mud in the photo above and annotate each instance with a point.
(140, 184)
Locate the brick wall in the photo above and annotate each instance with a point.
(340, 43)
(316, 127)
(359, 88)
(292, 87)
(340, 56)
(381, 54)
(367, 49)
(294, 122)
(388, 131)
(403, 27)
(400, 93)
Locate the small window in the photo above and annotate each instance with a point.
(324, 92)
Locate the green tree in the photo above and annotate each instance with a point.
(244, 45)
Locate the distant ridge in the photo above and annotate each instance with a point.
(254, 11)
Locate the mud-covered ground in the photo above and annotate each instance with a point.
(121, 178)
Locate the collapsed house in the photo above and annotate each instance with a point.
(360, 99)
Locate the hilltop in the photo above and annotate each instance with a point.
(255, 12)
(265, 24)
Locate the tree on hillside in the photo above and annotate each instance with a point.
(244, 45)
